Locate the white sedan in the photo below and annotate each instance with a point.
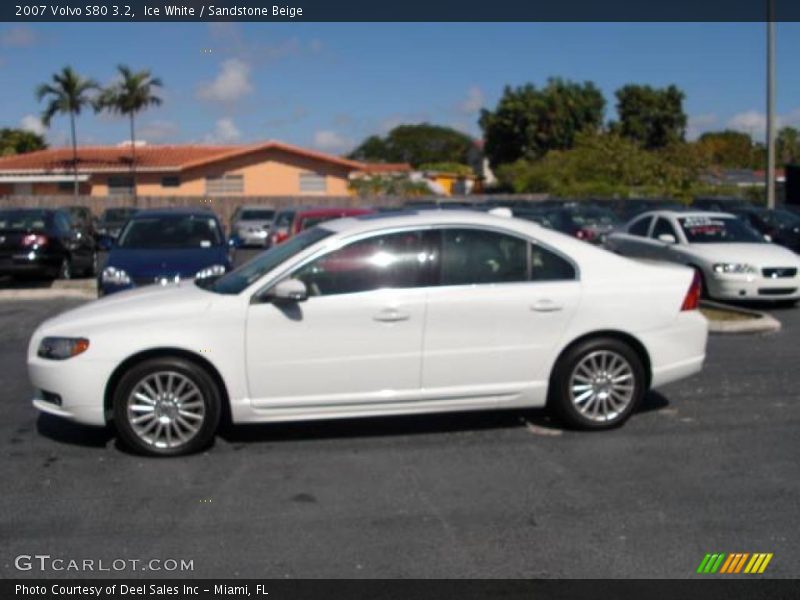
(382, 315)
(734, 261)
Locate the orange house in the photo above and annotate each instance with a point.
(264, 169)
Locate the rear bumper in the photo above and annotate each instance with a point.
(33, 262)
(678, 351)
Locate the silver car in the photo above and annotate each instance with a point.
(251, 224)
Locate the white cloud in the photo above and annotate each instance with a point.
(232, 82)
(18, 37)
(331, 141)
(158, 131)
(698, 124)
(474, 101)
(751, 121)
(33, 124)
(225, 132)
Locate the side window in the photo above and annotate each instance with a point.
(477, 256)
(640, 227)
(663, 227)
(397, 260)
(549, 266)
(63, 224)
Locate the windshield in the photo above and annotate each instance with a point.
(257, 215)
(171, 231)
(782, 219)
(595, 217)
(23, 220)
(712, 230)
(250, 272)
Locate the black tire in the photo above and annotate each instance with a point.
(208, 392)
(91, 270)
(562, 401)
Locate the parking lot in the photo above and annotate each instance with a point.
(707, 465)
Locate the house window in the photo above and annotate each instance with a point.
(171, 181)
(120, 186)
(312, 183)
(225, 184)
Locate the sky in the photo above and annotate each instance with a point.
(329, 85)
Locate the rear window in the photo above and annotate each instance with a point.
(257, 215)
(23, 220)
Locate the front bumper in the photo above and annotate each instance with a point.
(78, 384)
(752, 287)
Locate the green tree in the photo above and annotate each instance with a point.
(416, 144)
(729, 149)
(388, 185)
(788, 146)
(131, 94)
(67, 93)
(18, 141)
(653, 117)
(528, 122)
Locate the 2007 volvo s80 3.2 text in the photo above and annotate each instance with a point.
(404, 313)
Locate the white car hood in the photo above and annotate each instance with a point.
(759, 255)
(148, 304)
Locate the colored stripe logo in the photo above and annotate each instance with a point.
(738, 562)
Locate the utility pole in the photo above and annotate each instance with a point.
(770, 174)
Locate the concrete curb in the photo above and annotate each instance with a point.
(760, 322)
(45, 294)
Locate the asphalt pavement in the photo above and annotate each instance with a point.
(707, 465)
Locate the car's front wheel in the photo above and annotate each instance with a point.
(597, 384)
(167, 407)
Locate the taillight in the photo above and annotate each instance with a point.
(34, 240)
(585, 234)
(692, 299)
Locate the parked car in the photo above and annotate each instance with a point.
(296, 220)
(37, 242)
(164, 246)
(280, 229)
(585, 222)
(734, 261)
(113, 220)
(431, 311)
(628, 208)
(250, 225)
(780, 226)
(83, 219)
(719, 203)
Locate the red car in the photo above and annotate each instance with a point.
(291, 221)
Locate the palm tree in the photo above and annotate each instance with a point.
(68, 93)
(132, 93)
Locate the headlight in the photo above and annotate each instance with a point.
(212, 271)
(735, 268)
(61, 348)
(115, 276)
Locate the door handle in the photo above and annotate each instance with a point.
(545, 306)
(391, 315)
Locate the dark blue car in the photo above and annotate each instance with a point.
(164, 246)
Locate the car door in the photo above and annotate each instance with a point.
(496, 319)
(661, 248)
(632, 241)
(356, 340)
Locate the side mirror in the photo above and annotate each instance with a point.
(288, 290)
(667, 238)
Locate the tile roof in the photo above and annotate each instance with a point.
(153, 158)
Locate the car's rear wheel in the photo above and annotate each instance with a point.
(167, 407)
(597, 384)
(65, 270)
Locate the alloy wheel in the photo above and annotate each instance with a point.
(602, 385)
(166, 409)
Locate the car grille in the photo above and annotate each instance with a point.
(778, 272)
(776, 291)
